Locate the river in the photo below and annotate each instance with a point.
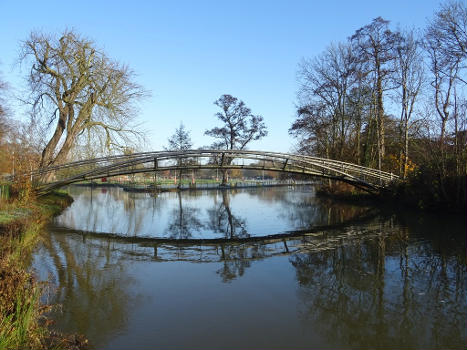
(263, 268)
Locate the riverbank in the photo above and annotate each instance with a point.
(417, 193)
(23, 323)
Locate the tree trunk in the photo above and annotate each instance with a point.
(225, 177)
(179, 185)
(47, 153)
(380, 116)
(359, 127)
(226, 203)
(406, 147)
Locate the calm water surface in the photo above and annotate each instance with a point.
(346, 277)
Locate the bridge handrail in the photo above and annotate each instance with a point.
(190, 153)
(202, 153)
(110, 166)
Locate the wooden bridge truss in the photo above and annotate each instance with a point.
(148, 162)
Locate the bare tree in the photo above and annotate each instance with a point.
(445, 43)
(448, 29)
(312, 128)
(239, 128)
(408, 76)
(3, 113)
(374, 45)
(5, 127)
(78, 92)
(359, 109)
(326, 81)
(180, 141)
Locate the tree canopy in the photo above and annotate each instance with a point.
(240, 126)
(77, 93)
(180, 140)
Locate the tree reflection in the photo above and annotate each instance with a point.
(391, 282)
(237, 258)
(375, 292)
(307, 211)
(221, 220)
(185, 220)
(91, 285)
(110, 210)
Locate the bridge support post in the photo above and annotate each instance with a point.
(156, 166)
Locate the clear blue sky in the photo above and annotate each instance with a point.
(188, 53)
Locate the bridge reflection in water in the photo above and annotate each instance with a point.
(214, 214)
(368, 281)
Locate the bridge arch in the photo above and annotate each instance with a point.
(85, 170)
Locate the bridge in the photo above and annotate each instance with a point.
(368, 179)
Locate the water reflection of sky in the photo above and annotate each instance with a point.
(202, 214)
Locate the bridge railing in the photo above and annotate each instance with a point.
(208, 159)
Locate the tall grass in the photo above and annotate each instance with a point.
(21, 314)
(20, 328)
(20, 307)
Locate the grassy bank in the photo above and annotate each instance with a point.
(22, 317)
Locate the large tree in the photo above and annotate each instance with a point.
(77, 91)
(445, 43)
(374, 45)
(448, 30)
(408, 77)
(239, 127)
(325, 83)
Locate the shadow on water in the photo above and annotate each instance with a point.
(341, 279)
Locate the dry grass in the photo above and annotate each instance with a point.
(22, 321)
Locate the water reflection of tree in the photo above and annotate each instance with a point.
(91, 285)
(378, 293)
(223, 221)
(234, 257)
(307, 211)
(237, 258)
(110, 210)
(185, 220)
(301, 207)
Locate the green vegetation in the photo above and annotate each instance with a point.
(23, 324)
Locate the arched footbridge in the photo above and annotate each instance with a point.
(85, 170)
